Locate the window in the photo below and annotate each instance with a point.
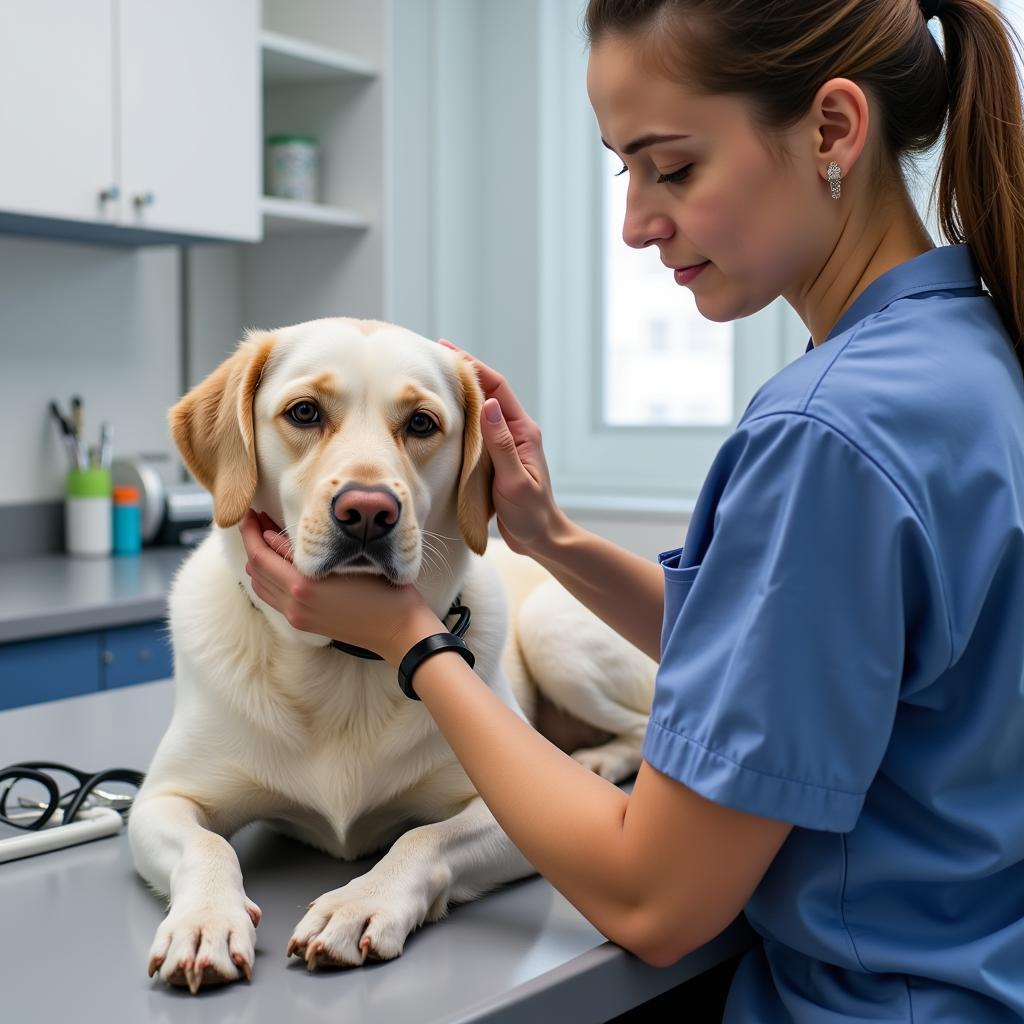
(638, 391)
(663, 362)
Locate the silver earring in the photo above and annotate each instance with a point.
(835, 179)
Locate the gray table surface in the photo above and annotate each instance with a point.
(52, 594)
(76, 924)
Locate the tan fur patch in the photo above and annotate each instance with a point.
(475, 503)
(212, 427)
(368, 327)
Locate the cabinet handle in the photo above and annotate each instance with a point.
(110, 194)
(144, 199)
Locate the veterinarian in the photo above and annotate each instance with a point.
(836, 743)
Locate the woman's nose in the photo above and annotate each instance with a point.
(642, 228)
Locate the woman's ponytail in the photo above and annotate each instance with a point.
(981, 177)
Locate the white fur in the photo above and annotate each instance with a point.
(271, 724)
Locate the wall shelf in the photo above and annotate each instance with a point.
(291, 61)
(292, 216)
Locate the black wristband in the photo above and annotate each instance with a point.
(419, 653)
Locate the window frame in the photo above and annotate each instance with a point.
(593, 464)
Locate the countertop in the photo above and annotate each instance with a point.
(53, 594)
(78, 922)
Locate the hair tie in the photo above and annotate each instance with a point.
(930, 8)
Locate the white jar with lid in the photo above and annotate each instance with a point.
(293, 167)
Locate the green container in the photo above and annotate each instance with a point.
(89, 483)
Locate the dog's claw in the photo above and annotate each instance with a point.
(311, 956)
(203, 948)
(254, 912)
(244, 965)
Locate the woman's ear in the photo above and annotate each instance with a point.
(475, 503)
(212, 426)
(841, 114)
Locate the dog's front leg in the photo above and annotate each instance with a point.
(427, 868)
(209, 934)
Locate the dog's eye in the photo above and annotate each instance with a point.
(422, 425)
(305, 414)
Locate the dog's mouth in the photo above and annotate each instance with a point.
(362, 561)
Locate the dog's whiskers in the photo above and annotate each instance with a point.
(439, 536)
(429, 550)
(432, 561)
(433, 533)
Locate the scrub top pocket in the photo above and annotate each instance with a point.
(678, 580)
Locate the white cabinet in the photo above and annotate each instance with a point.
(56, 107)
(189, 116)
(129, 120)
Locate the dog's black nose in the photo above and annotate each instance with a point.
(365, 513)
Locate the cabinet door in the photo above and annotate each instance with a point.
(136, 654)
(56, 108)
(189, 102)
(32, 671)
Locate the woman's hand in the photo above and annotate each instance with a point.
(366, 611)
(523, 499)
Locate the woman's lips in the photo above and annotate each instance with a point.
(686, 275)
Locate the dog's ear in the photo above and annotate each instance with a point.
(213, 428)
(475, 504)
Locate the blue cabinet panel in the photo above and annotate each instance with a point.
(136, 654)
(33, 671)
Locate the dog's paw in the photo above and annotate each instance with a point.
(350, 925)
(206, 945)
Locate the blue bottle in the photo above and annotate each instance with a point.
(127, 520)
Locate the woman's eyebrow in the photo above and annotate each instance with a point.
(645, 140)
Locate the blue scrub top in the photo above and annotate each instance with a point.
(843, 649)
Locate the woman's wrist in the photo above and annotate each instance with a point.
(415, 628)
(551, 550)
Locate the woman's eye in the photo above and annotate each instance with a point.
(675, 176)
(422, 425)
(305, 414)
(623, 171)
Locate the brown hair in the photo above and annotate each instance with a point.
(777, 55)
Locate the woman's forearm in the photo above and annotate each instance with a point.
(567, 821)
(623, 589)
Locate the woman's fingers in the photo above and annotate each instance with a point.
(265, 563)
(501, 445)
(280, 543)
(275, 538)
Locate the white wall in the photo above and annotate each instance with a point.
(106, 322)
(99, 322)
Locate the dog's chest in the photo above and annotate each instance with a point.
(352, 796)
(366, 762)
(320, 742)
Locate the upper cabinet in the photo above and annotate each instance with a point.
(130, 121)
(189, 114)
(57, 113)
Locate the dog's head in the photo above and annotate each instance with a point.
(352, 434)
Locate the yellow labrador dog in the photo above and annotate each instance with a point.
(363, 440)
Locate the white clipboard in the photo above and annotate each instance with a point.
(90, 823)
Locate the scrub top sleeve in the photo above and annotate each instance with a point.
(791, 625)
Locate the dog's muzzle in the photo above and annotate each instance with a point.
(364, 516)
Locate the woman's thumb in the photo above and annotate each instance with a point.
(501, 445)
